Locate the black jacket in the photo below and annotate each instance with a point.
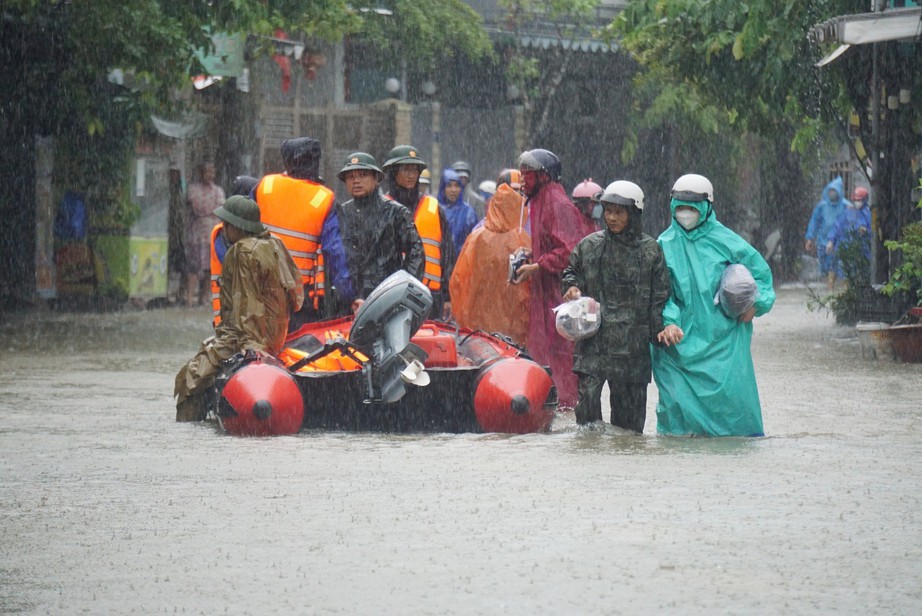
(380, 238)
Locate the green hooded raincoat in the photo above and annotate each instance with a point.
(707, 384)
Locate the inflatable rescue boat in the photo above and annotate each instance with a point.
(387, 369)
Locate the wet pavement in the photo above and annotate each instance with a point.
(108, 506)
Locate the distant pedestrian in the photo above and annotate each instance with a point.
(461, 217)
(586, 197)
(822, 221)
(853, 226)
(204, 197)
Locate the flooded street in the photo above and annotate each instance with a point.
(109, 506)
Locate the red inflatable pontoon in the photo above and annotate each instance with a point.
(387, 370)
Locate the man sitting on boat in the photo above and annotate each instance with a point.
(260, 287)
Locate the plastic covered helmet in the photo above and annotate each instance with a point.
(462, 168)
(360, 160)
(860, 194)
(587, 189)
(541, 160)
(425, 177)
(404, 155)
(623, 192)
(242, 213)
(512, 177)
(487, 187)
(693, 188)
(578, 319)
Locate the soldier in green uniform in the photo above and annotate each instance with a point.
(260, 288)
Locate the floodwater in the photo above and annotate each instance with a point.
(107, 506)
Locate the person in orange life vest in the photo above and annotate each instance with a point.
(301, 211)
(403, 169)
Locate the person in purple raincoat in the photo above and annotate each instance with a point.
(556, 227)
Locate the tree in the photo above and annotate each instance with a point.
(55, 57)
(746, 67)
(421, 33)
(537, 75)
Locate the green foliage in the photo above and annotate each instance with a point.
(537, 74)
(907, 277)
(421, 32)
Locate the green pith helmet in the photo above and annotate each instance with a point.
(404, 155)
(360, 160)
(241, 212)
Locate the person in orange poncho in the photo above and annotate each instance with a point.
(485, 299)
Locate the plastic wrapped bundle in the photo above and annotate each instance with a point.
(578, 318)
(737, 292)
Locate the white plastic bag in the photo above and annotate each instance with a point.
(737, 292)
(578, 319)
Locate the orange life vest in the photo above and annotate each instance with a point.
(215, 277)
(429, 227)
(294, 210)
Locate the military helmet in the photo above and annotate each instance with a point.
(425, 177)
(360, 160)
(242, 213)
(404, 155)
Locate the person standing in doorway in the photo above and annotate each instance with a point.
(204, 197)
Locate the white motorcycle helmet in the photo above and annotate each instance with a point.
(623, 192)
(693, 187)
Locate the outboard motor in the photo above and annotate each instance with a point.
(382, 329)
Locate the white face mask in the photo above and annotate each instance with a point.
(688, 218)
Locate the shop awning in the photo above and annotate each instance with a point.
(863, 28)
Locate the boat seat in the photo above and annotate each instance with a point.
(307, 343)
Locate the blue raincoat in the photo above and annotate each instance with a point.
(707, 384)
(822, 222)
(461, 216)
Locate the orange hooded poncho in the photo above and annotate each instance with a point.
(481, 295)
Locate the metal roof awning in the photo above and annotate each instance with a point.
(864, 28)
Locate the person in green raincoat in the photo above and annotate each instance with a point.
(707, 384)
(623, 269)
(260, 288)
